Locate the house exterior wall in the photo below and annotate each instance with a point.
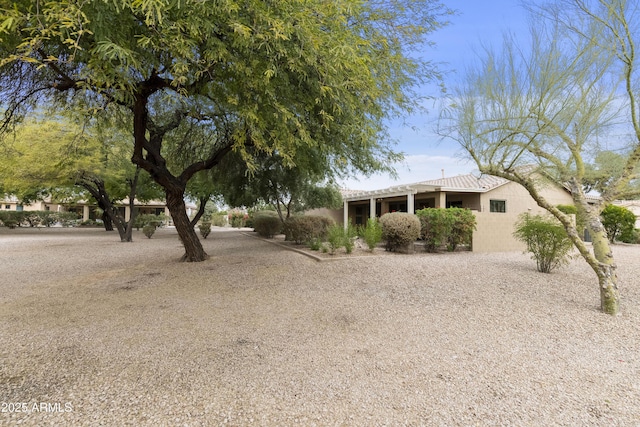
(495, 229)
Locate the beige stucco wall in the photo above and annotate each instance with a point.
(495, 229)
(336, 214)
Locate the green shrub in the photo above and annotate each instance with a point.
(451, 227)
(335, 238)
(619, 223)
(148, 230)
(315, 244)
(305, 228)
(205, 229)
(399, 230)
(237, 219)
(218, 220)
(462, 226)
(545, 238)
(267, 223)
(349, 238)
(371, 233)
(152, 219)
(436, 225)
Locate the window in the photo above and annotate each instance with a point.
(497, 206)
(454, 204)
(7, 206)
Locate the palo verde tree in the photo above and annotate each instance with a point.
(275, 76)
(536, 114)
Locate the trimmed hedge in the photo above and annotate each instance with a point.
(267, 223)
(306, 228)
(451, 227)
(14, 219)
(399, 230)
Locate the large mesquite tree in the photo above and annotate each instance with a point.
(540, 113)
(271, 75)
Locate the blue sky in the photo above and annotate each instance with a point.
(426, 154)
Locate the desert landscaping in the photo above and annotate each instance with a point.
(98, 332)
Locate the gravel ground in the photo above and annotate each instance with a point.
(97, 332)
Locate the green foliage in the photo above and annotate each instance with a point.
(371, 233)
(237, 219)
(149, 230)
(14, 219)
(305, 228)
(311, 81)
(619, 223)
(335, 238)
(219, 220)
(152, 219)
(267, 223)
(315, 244)
(464, 223)
(581, 222)
(399, 229)
(205, 229)
(435, 227)
(451, 227)
(545, 238)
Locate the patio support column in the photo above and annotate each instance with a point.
(441, 200)
(410, 203)
(85, 213)
(345, 214)
(372, 207)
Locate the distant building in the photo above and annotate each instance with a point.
(88, 209)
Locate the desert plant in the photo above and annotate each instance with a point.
(335, 238)
(237, 219)
(371, 233)
(400, 230)
(463, 223)
(219, 220)
(619, 223)
(350, 233)
(315, 244)
(205, 229)
(148, 230)
(435, 227)
(304, 228)
(545, 238)
(267, 223)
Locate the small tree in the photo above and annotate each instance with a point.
(462, 225)
(546, 239)
(619, 222)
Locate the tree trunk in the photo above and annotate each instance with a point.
(201, 209)
(606, 268)
(194, 252)
(106, 220)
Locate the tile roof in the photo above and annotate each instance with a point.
(468, 182)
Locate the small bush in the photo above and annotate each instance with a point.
(152, 219)
(315, 244)
(546, 239)
(205, 229)
(335, 238)
(237, 219)
(148, 230)
(399, 230)
(435, 227)
(371, 233)
(619, 223)
(218, 220)
(305, 228)
(267, 223)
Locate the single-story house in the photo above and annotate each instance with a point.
(87, 209)
(496, 203)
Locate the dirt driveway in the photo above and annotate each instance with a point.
(97, 332)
